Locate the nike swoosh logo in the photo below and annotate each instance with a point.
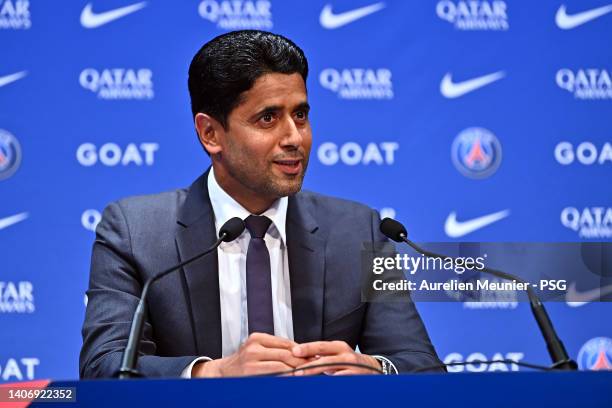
(450, 89)
(5, 80)
(567, 22)
(574, 298)
(456, 229)
(330, 20)
(14, 219)
(89, 19)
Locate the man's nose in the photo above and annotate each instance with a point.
(292, 136)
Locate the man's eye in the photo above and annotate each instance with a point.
(268, 117)
(301, 115)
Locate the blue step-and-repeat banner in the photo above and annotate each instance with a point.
(466, 120)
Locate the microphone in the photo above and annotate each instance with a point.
(228, 232)
(397, 232)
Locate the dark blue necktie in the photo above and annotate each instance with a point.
(258, 278)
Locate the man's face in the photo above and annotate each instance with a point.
(265, 149)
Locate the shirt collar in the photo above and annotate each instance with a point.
(225, 207)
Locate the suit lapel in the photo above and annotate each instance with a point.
(202, 276)
(306, 271)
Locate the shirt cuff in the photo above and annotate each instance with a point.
(187, 371)
(388, 366)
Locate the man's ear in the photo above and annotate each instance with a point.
(210, 132)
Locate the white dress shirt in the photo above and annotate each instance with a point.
(232, 271)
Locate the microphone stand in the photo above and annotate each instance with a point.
(228, 232)
(130, 354)
(556, 349)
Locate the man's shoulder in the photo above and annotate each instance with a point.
(332, 213)
(146, 219)
(152, 205)
(333, 204)
(338, 220)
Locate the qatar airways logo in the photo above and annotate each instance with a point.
(112, 154)
(592, 83)
(17, 297)
(237, 14)
(15, 15)
(353, 154)
(492, 299)
(485, 298)
(118, 83)
(18, 369)
(474, 15)
(474, 362)
(586, 153)
(589, 222)
(358, 83)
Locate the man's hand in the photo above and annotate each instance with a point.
(260, 354)
(323, 352)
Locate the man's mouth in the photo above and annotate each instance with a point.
(290, 167)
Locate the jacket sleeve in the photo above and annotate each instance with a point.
(393, 328)
(114, 289)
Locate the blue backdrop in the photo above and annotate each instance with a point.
(435, 112)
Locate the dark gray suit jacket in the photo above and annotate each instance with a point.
(140, 236)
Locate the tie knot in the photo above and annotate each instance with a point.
(257, 225)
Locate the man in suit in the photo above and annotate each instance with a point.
(286, 293)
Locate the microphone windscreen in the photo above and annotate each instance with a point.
(393, 229)
(232, 229)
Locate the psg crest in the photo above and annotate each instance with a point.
(10, 154)
(596, 354)
(476, 153)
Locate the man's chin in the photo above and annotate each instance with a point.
(287, 188)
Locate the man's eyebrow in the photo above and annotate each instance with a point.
(275, 108)
(269, 109)
(303, 106)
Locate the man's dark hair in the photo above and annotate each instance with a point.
(229, 64)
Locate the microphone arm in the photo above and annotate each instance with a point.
(130, 354)
(556, 349)
(228, 232)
